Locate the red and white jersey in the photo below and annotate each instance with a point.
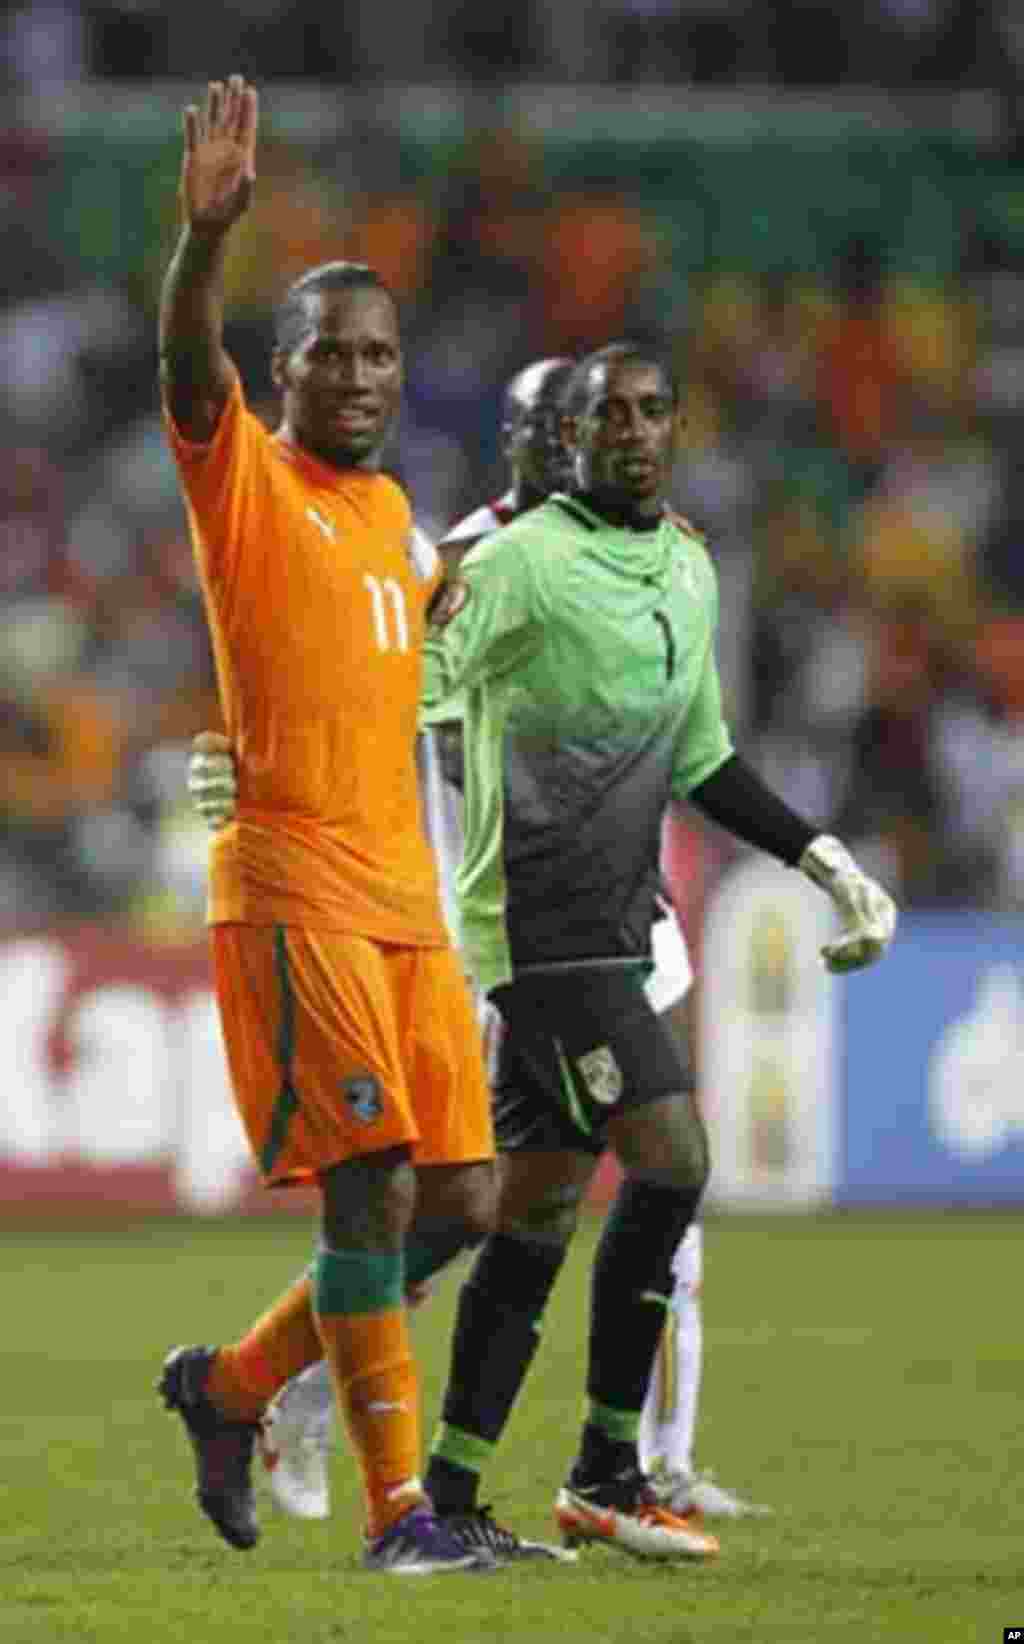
(482, 522)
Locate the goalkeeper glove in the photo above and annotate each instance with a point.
(212, 779)
(867, 911)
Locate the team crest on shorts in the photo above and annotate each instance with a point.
(602, 1075)
(362, 1093)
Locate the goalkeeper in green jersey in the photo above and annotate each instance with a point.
(582, 666)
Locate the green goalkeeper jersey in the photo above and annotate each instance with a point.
(583, 670)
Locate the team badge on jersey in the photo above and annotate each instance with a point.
(362, 1093)
(602, 1075)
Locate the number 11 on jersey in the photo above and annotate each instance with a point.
(387, 602)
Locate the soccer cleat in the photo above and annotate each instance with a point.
(681, 1492)
(293, 1444)
(419, 1543)
(623, 1511)
(479, 1530)
(223, 1448)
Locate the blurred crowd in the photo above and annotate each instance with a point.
(896, 43)
(851, 441)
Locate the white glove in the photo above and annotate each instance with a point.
(867, 911)
(213, 780)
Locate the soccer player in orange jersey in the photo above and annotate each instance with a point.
(349, 1030)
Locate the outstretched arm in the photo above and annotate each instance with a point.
(735, 797)
(719, 782)
(217, 174)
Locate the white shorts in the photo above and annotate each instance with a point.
(672, 973)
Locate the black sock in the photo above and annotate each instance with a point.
(495, 1338)
(601, 1456)
(631, 1288)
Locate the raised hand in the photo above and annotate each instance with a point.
(218, 166)
(447, 601)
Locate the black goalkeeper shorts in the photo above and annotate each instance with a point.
(581, 1043)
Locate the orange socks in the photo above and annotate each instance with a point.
(353, 1312)
(245, 1376)
(378, 1391)
(361, 1317)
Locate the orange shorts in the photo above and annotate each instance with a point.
(340, 1046)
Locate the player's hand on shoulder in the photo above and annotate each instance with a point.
(213, 779)
(447, 601)
(685, 525)
(867, 911)
(218, 167)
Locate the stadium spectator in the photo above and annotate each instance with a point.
(929, 475)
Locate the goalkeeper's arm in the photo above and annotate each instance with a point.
(735, 797)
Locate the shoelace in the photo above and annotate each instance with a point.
(632, 1491)
(480, 1528)
(627, 1489)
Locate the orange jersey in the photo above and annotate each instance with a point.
(316, 600)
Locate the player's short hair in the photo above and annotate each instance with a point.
(291, 316)
(545, 379)
(620, 353)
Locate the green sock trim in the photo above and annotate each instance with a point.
(358, 1281)
(623, 1425)
(462, 1449)
(572, 1101)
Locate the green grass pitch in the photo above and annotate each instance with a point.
(863, 1374)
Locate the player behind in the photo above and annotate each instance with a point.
(348, 1028)
(534, 453)
(582, 667)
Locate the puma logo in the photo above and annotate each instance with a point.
(322, 524)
